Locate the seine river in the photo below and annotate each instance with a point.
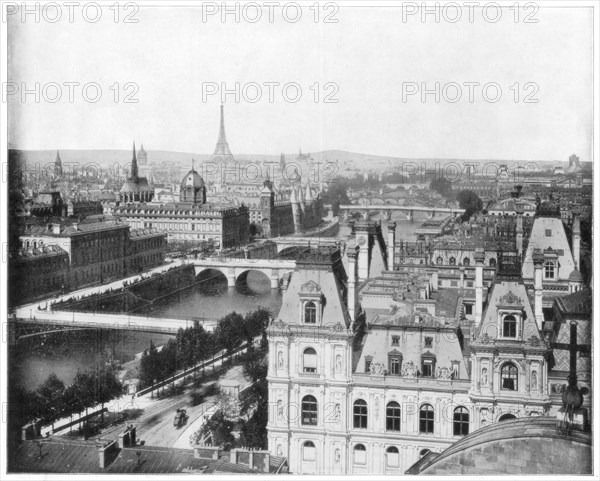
(66, 353)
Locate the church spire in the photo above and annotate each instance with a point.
(57, 166)
(134, 167)
(222, 152)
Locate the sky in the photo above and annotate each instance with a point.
(371, 66)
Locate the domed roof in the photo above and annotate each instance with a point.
(575, 276)
(192, 180)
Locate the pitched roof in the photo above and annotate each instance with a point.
(557, 240)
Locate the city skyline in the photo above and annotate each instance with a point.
(370, 115)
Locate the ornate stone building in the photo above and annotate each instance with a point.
(356, 387)
(192, 218)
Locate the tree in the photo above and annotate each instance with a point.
(255, 324)
(228, 333)
(254, 431)
(50, 399)
(219, 428)
(443, 187)
(469, 201)
(149, 367)
(255, 365)
(108, 386)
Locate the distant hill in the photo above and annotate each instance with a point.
(181, 160)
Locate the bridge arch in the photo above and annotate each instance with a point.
(242, 275)
(206, 273)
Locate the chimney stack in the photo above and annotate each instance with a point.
(352, 279)
(576, 236)
(363, 234)
(519, 232)
(56, 229)
(538, 264)
(391, 244)
(104, 454)
(479, 259)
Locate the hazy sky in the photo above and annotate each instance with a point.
(371, 55)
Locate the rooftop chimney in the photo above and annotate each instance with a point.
(479, 258)
(576, 235)
(352, 279)
(56, 229)
(538, 265)
(391, 243)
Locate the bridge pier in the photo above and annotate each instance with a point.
(231, 277)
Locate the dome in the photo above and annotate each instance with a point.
(575, 276)
(192, 180)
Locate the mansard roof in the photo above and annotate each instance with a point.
(332, 284)
(506, 294)
(557, 240)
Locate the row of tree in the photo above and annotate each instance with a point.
(52, 400)
(194, 345)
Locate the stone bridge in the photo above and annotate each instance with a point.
(284, 243)
(386, 210)
(236, 269)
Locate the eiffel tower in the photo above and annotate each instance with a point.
(222, 152)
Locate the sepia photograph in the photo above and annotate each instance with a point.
(327, 238)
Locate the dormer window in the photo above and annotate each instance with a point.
(549, 270)
(395, 362)
(509, 326)
(310, 313)
(427, 364)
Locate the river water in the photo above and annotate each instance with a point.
(35, 358)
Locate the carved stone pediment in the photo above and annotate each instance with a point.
(510, 298)
(311, 287)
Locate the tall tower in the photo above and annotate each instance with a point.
(267, 207)
(134, 175)
(222, 152)
(58, 172)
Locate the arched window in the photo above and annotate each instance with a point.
(509, 326)
(310, 313)
(492, 262)
(549, 270)
(461, 421)
(507, 417)
(439, 261)
(466, 261)
(452, 261)
(426, 416)
(392, 416)
(360, 454)
(392, 457)
(509, 376)
(309, 451)
(309, 411)
(309, 360)
(360, 414)
(423, 452)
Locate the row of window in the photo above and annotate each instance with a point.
(360, 415)
(466, 261)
